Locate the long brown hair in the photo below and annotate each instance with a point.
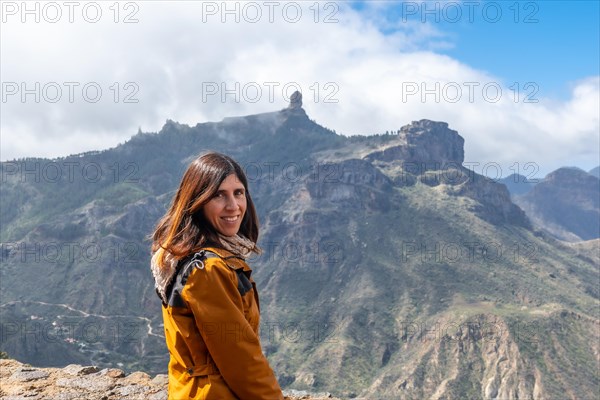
(183, 229)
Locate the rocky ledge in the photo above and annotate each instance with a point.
(75, 382)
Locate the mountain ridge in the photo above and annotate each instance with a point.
(365, 256)
(566, 203)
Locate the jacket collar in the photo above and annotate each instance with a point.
(232, 260)
(163, 276)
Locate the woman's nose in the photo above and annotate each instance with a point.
(231, 203)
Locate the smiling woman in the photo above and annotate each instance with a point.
(225, 210)
(210, 303)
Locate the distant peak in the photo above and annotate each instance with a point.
(568, 172)
(295, 101)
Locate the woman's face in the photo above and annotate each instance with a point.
(226, 209)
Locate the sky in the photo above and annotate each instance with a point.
(519, 80)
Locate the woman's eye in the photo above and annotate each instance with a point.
(239, 193)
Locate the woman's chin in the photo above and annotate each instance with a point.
(228, 232)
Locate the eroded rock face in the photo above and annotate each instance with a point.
(495, 205)
(76, 382)
(429, 145)
(429, 152)
(483, 344)
(353, 183)
(295, 101)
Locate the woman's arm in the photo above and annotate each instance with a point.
(212, 295)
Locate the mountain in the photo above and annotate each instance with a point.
(566, 203)
(595, 172)
(517, 184)
(389, 270)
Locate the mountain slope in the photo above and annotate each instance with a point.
(518, 184)
(566, 203)
(389, 270)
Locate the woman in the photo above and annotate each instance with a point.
(210, 303)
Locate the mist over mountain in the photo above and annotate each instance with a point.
(389, 269)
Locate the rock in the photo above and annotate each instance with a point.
(426, 146)
(162, 395)
(353, 183)
(430, 153)
(161, 379)
(76, 382)
(295, 101)
(73, 382)
(303, 394)
(137, 377)
(70, 396)
(294, 109)
(91, 383)
(494, 202)
(78, 370)
(112, 372)
(27, 375)
(130, 390)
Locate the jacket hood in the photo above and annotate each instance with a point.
(163, 275)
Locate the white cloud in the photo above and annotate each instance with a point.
(175, 51)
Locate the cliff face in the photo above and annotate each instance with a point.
(427, 144)
(386, 262)
(500, 351)
(431, 153)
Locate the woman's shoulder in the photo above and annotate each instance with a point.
(223, 256)
(209, 258)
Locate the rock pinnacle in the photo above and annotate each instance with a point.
(295, 101)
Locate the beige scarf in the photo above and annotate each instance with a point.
(238, 245)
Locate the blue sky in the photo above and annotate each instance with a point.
(559, 49)
(552, 43)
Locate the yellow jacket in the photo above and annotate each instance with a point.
(211, 318)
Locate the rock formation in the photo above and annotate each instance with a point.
(295, 101)
(76, 382)
(429, 145)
